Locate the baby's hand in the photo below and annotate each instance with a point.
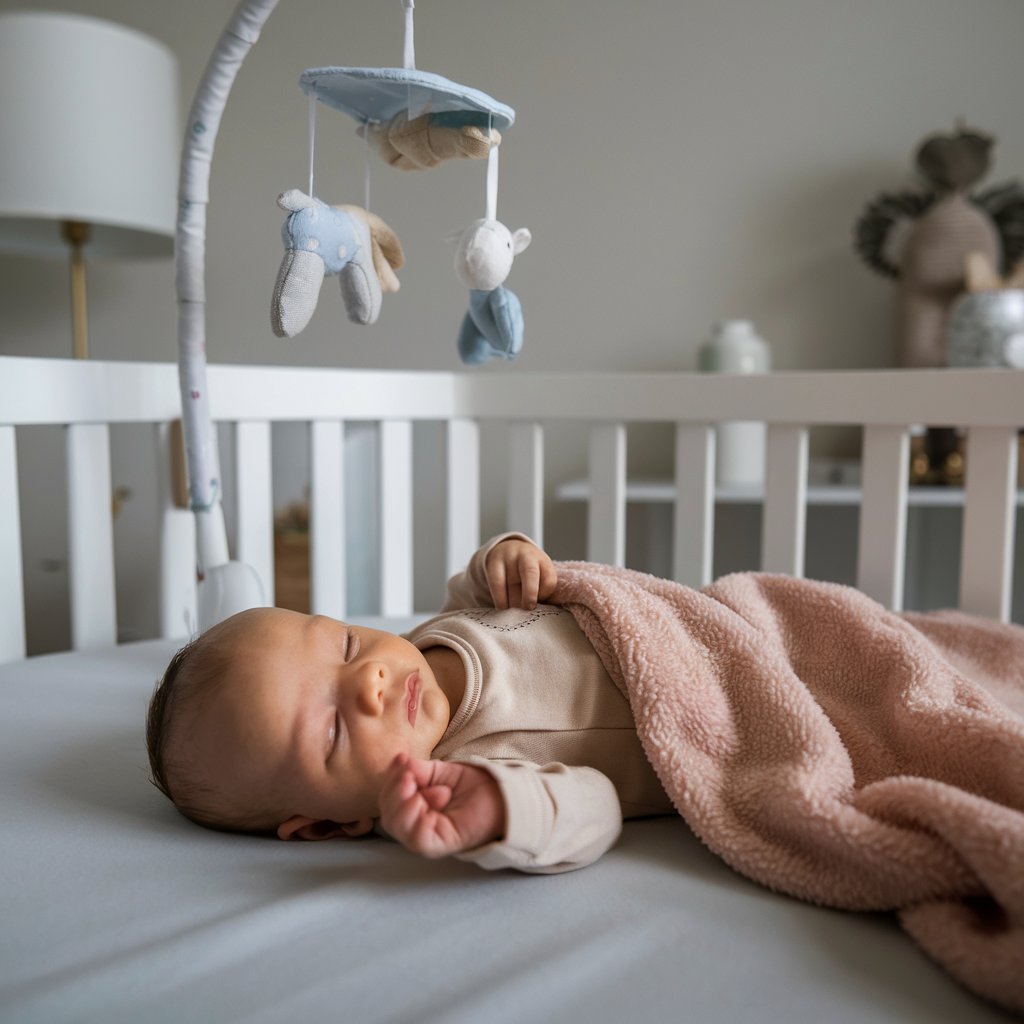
(436, 808)
(519, 574)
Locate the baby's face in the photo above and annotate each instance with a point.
(311, 714)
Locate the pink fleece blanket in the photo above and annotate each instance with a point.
(833, 750)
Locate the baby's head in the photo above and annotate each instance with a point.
(274, 721)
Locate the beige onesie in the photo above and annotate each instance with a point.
(542, 715)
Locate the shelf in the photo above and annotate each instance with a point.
(828, 484)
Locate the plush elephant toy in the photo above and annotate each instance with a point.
(322, 240)
(493, 326)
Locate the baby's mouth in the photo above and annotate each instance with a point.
(412, 690)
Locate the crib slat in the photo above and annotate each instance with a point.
(178, 610)
(396, 517)
(327, 570)
(12, 600)
(986, 554)
(526, 480)
(463, 515)
(881, 546)
(785, 500)
(255, 501)
(90, 537)
(178, 613)
(606, 520)
(694, 512)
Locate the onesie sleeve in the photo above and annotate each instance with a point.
(557, 817)
(468, 589)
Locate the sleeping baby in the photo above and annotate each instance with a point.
(819, 743)
(492, 732)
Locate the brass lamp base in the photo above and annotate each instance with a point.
(76, 234)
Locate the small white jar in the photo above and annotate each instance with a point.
(735, 347)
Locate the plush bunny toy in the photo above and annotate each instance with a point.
(321, 240)
(493, 327)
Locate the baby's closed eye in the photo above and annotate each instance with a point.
(333, 731)
(351, 646)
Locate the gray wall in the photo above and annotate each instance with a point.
(677, 162)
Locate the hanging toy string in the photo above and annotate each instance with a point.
(366, 165)
(312, 138)
(492, 177)
(409, 59)
(409, 49)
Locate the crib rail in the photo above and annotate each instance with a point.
(88, 397)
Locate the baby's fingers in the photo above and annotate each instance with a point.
(401, 815)
(398, 779)
(421, 771)
(437, 797)
(497, 582)
(398, 789)
(548, 579)
(419, 827)
(528, 571)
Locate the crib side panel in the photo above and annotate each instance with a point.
(784, 524)
(86, 398)
(395, 484)
(525, 502)
(255, 503)
(693, 517)
(986, 554)
(90, 537)
(606, 519)
(12, 604)
(176, 564)
(328, 570)
(462, 520)
(881, 545)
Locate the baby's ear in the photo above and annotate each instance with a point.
(300, 827)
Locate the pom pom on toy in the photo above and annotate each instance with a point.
(320, 241)
(427, 141)
(493, 326)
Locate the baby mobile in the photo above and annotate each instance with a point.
(413, 120)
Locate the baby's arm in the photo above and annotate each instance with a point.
(506, 814)
(509, 571)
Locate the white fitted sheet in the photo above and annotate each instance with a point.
(114, 908)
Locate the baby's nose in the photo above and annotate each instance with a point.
(370, 698)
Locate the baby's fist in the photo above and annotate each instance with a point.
(437, 808)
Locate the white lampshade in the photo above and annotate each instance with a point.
(88, 132)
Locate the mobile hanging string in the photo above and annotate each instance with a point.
(366, 165)
(409, 50)
(312, 139)
(492, 177)
(409, 60)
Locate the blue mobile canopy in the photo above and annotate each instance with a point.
(379, 94)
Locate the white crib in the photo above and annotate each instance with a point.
(87, 397)
(114, 908)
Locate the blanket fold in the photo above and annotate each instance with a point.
(833, 750)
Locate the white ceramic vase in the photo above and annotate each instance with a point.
(735, 347)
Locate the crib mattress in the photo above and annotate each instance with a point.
(114, 908)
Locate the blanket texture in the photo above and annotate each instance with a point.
(833, 750)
